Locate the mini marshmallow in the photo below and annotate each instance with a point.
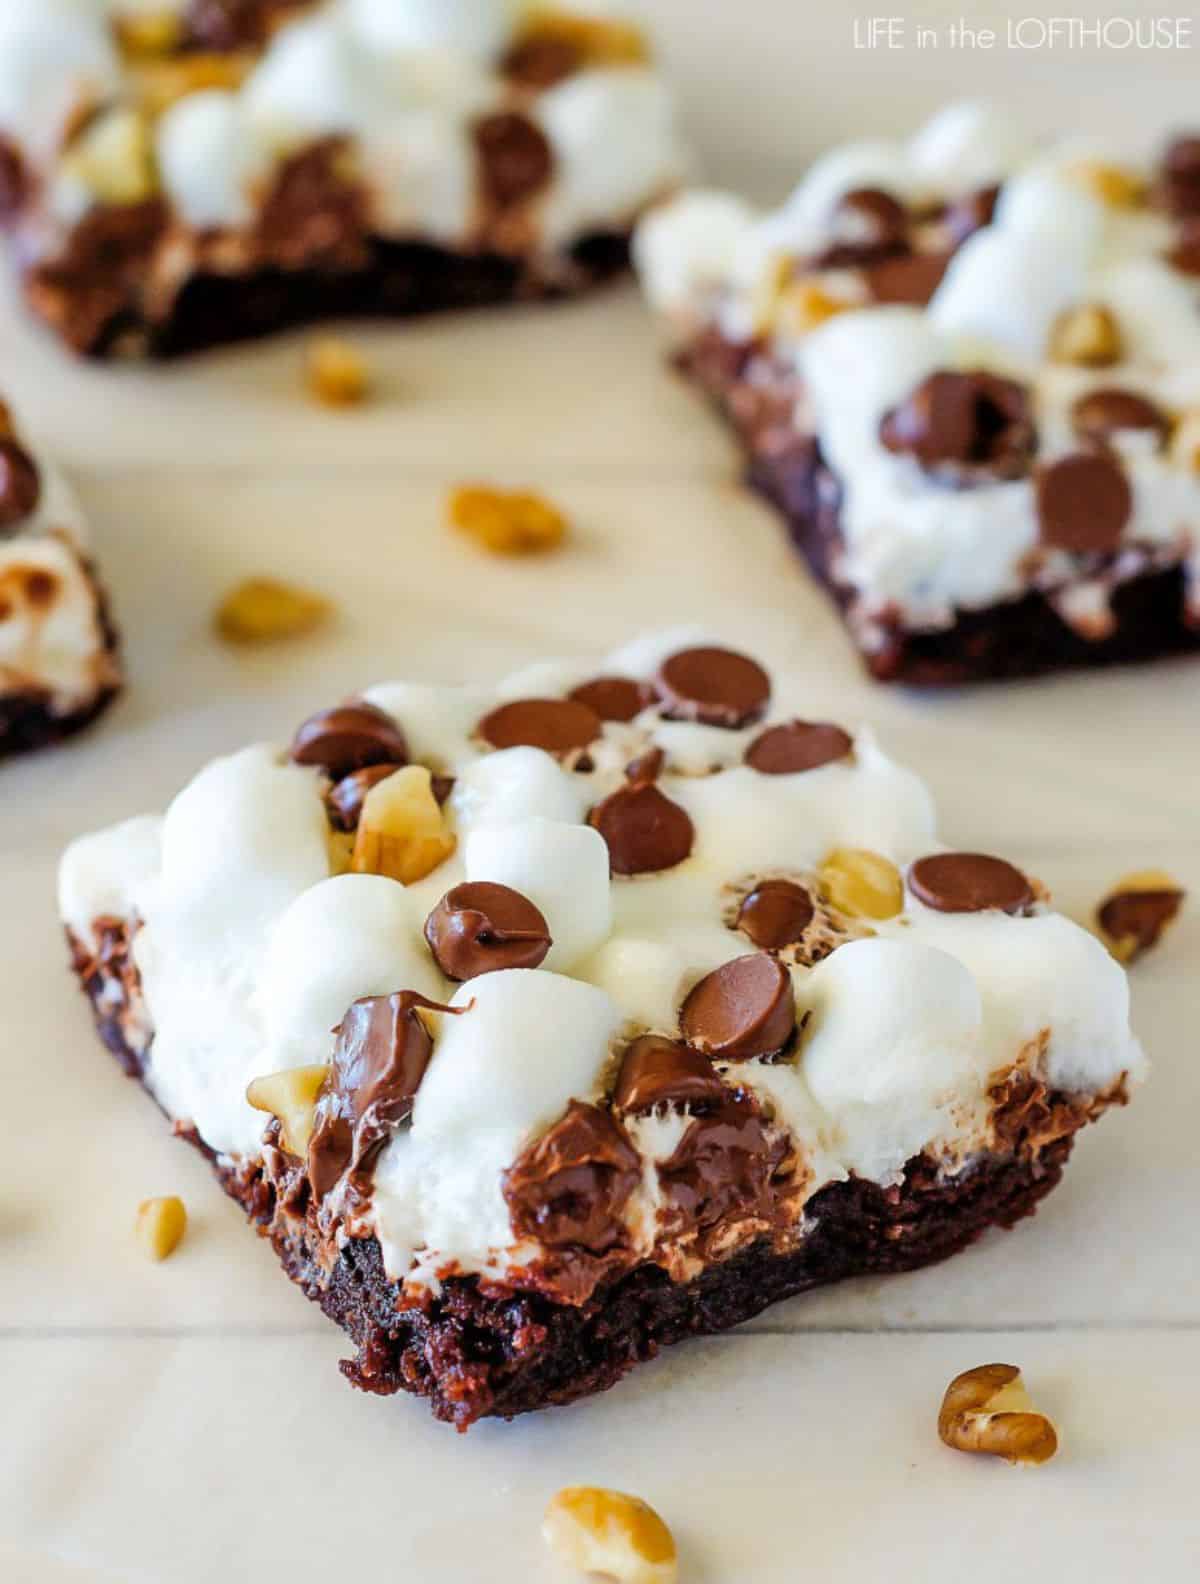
(685, 248)
(55, 55)
(314, 79)
(438, 721)
(208, 160)
(967, 146)
(842, 170)
(513, 785)
(1008, 287)
(562, 868)
(475, 28)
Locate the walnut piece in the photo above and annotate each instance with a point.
(507, 522)
(1114, 185)
(607, 1532)
(161, 1224)
(337, 373)
(290, 1097)
(402, 831)
(987, 1409)
(862, 884)
(1087, 336)
(1185, 441)
(261, 610)
(112, 158)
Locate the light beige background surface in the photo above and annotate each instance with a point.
(186, 1423)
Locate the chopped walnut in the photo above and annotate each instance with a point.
(1185, 441)
(402, 830)
(1114, 185)
(112, 157)
(862, 884)
(1087, 336)
(607, 1532)
(149, 35)
(507, 522)
(987, 1409)
(805, 304)
(262, 610)
(1137, 912)
(291, 1098)
(337, 374)
(161, 1224)
(160, 82)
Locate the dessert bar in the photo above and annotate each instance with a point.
(542, 1024)
(967, 372)
(207, 169)
(58, 649)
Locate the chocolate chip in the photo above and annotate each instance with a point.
(479, 926)
(516, 160)
(970, 214)
(441, 786)
(14, 179)
(20, 484)
(345, 798)
(647, 766)
(722, 1167)
(644, 829)
(378, 1062)
(571, 1186)
(744, 1008)
(1083, 502)
(1179, 190)
(966, 427)
(866, 224)
(1134, 921)
(776, 913)
(227, 25)
(798, 745)
(1100, 414)
(717, 687)
(657, 1071)
(560, 726)
(1185, 254)
(910, 278)
(541, 61)
(958, 882)
(613, 698)
(349, 737)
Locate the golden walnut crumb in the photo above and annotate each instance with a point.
(291, 1098)
(1185, 441)
(862, 884)
(337, 373)
(987, 1409)
(507, 522)
(161, 1224)
(805, 304)
(161, 82)
(148, 35)
(261, 610)
(1087, 336)
(402, 831)
(1137, 912)
(607, 1532)
(1114, 185)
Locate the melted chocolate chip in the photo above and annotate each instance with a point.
(1083, 502)
(515, 157)
(1139, 917)
(644, 829)
(14, 179)
(571, 1186)
(907, 277)
(1179, 190)
(867, 224)
(717, 687)
(722, 1167)
(479, 926)
(541, 61)
(379, 1060)
(970, 214)
(1100, 414)
(560, 726)
(647, 766)
(349, 737)
(796, 746)
(613, 698)
(959, 882)
(966, 427)
(657, 1071)
(744, 1008)
(345, 798)
(1185, 254)
(20, 484)
(775, 914)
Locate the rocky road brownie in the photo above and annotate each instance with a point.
(993, 462)
(544, 1024)
(58, 649)
(189, 171)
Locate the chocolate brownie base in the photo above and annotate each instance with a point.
(1025, 637)
(483, 1350)
(399, 280)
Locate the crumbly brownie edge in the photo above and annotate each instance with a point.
(399, 280)
(27, 721)
(480, 1350)
(1019, 638)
